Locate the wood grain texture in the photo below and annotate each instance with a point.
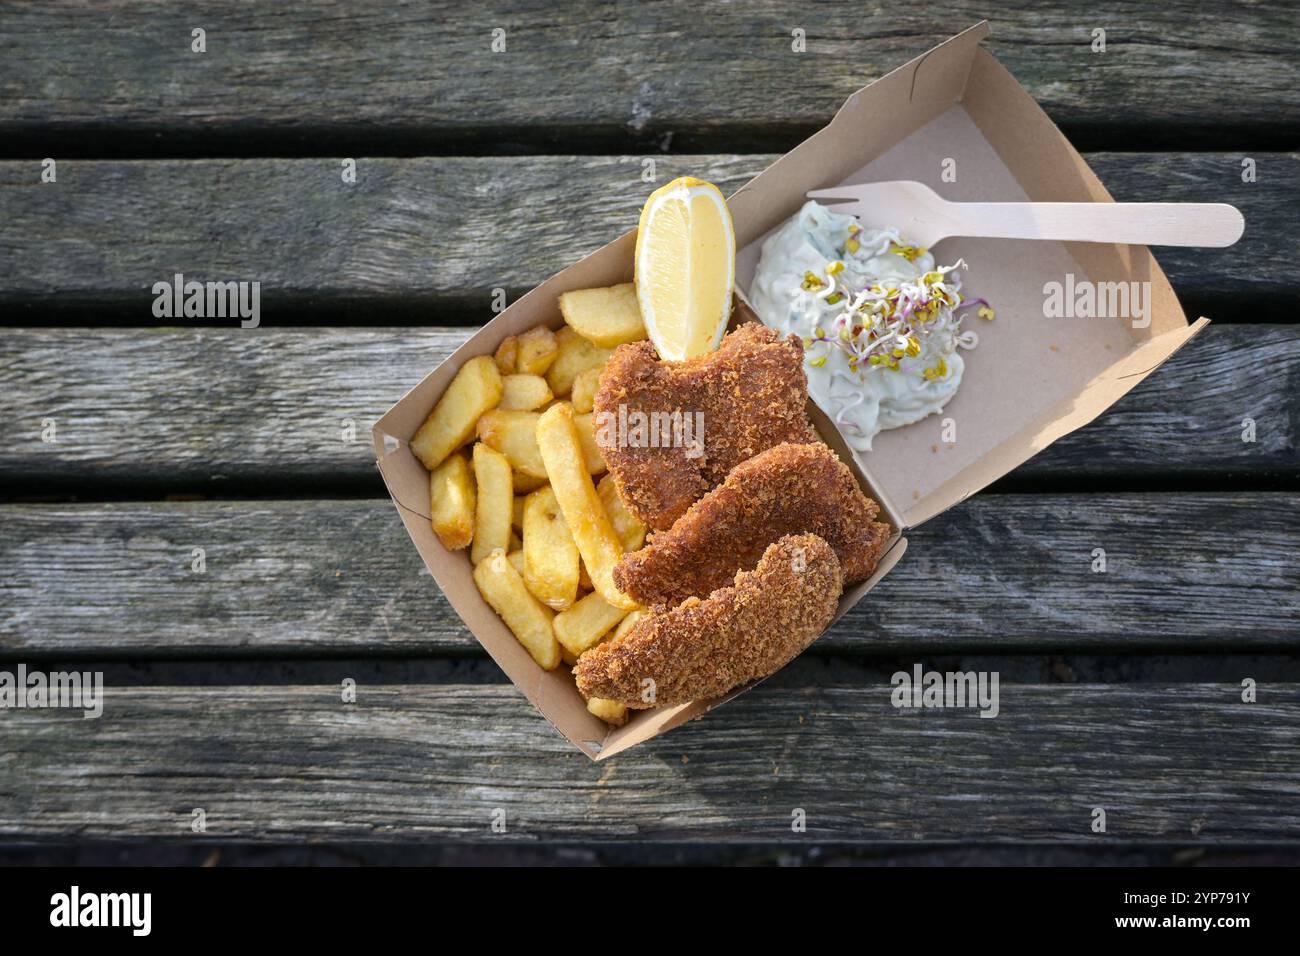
(1185, 762)
(327, 583)
(997, 573)
(429, 239)
(425, 75)
(208, 409)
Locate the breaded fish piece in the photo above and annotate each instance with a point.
(789, 489)
(751, 392)
(702, 649)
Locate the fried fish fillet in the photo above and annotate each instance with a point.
(750, 394)
(789, 489)
(702, 649)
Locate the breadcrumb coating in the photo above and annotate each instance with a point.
(789, 489)
(752, 393)
(703, 649)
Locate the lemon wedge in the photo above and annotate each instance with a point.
(685, 268)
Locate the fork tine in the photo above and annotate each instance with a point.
(837, 192)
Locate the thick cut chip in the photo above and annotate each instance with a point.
(551, 557)
(451, 502)
(475, 389)
(592, 531)
(604, 317)
(582, 626)
(575, 356)
(583, 393)
(528, 619)
(524, 392)
(537, 350)
(495, 504)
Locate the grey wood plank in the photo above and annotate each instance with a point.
(218, 408)
(430, 238)
(703, 71)
(1167, 762)
(1201, 572)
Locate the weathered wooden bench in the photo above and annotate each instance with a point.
(479, 170)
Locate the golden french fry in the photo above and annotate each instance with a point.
(568, 658)
(561, 450)
(496, 497)
(591, 453)
(517, 513)
(526, 483)
(583, 394)
(516, 559)
(507, 355)
(584, 579)
(451, 502)
(514, 434)
(575, 356)
(605, 317)
(582, 626)
(538, 348)
(528, 619)
(524, 392)
(610, 711)
(628, 527)
(475, 389)
(625, 625)
(550, 556)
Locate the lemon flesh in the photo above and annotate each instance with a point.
(685, 268)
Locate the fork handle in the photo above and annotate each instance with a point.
(1139, 223)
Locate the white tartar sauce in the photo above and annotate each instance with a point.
(879, 322)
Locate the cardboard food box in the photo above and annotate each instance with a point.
(1031, 380)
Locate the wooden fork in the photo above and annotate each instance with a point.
(921, 216)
